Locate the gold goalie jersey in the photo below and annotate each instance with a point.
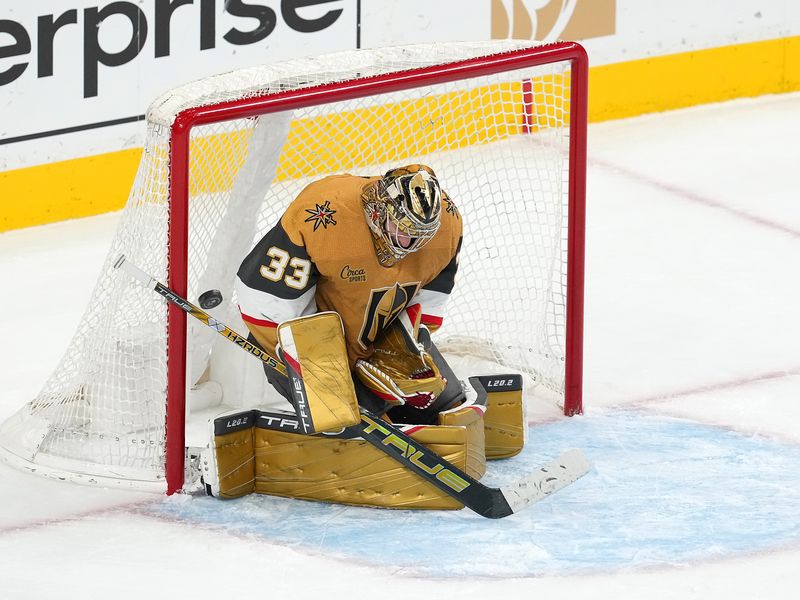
(320, 256)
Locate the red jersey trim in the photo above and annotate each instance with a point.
(432, 320)
(413, 311)
(294, 363)
(259, 322)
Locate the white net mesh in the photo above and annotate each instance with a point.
(499, 144)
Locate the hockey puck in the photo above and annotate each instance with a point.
(210, 299)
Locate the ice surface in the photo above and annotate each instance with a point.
(692, 379)
(661, 492)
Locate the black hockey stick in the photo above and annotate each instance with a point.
(489, 502)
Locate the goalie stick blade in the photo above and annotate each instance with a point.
(553, 476)
(492, 503)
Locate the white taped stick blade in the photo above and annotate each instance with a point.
(135, 272)
(555, 475)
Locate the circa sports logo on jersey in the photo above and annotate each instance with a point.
(353, 274)
(321, 215)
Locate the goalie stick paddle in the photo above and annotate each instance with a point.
(493, 503)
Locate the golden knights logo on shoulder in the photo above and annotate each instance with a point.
(321, 215)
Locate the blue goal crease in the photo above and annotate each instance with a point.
(661, 492)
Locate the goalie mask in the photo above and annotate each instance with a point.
(403, 211)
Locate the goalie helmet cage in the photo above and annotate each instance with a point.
(502, 123)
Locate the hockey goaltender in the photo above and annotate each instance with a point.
(340, 297)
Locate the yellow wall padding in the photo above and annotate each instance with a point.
(66, 190)
(680, 80)
(98, 184)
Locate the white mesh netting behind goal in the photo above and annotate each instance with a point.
(499, 142)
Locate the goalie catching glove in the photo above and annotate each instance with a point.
(400, 371)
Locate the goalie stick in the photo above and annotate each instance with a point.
(493, 503)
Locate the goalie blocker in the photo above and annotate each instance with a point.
(266, 452)
(322, 393)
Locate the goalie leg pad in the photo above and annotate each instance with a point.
(504, 425)
(228, 464)
(352, 471)
(262, 452)
(470, 417)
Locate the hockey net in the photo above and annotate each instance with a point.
(503, 125)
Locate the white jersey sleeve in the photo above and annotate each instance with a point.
(432, 299)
